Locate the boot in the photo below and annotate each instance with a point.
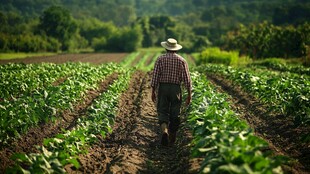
(172, 137)
(165, 135)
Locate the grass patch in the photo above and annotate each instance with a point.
(7, 56)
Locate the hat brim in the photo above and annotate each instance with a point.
(176, 48)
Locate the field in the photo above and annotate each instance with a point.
(92, 113)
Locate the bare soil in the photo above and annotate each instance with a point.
(278, 130)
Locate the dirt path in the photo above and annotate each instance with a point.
(36, 135)
(133, 147)
(277, 130)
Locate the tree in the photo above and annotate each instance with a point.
(92, 28)
(294, 14)
(125, 40)
(3, 22)
(162, 27)
(58, 23)
(266, 40)
(148, 40)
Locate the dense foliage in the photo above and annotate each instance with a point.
(215, 55)
(57, 22)
(267, 40)
(99, 24)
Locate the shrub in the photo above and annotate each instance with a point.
(28, 42)
(215, 55)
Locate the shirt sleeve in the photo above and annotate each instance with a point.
(186, 77)
(155, 76)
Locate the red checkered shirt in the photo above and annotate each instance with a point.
(171, 68)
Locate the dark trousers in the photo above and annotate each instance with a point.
(169, 105)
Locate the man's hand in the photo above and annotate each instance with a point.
(188, 100)
(153, 96)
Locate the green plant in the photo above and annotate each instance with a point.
(225, 142)
(64, 148)
(38, 102)
(286, 93)
(215, 55)
(129, 59)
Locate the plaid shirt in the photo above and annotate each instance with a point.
(171, 68)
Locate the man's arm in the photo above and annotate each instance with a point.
(189, 97)
(153, 95)
(188, 83)
(154, 81)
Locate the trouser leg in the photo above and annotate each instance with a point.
(175, 107)
(174, 119)
(168, 108)
(163, 105)
(163, 114)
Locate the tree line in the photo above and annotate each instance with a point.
(118, 26)
(56, 30)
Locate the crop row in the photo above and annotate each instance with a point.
(142, 62)
(286, 93)
(22, 79)
(129, 59)
(226, 143)
(298, 69)
(65, 148)
(152, 63)
(17, 115)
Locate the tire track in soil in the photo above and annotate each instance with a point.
(36, 135)
(277, 130)
(133, 146)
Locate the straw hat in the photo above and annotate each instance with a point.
(171, 44)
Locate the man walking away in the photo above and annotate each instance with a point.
(170, 72)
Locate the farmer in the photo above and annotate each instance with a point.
(170, 71)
